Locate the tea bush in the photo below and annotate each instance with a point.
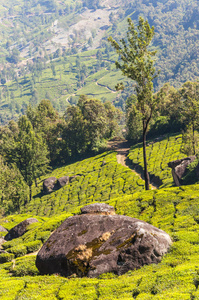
(5, 257)
(173, 209)
(159, 153)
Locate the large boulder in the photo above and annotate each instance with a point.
(179, 168)
(19, 229)
(92, 244)
(49, 185)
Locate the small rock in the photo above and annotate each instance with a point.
(19, 229)
(62, 182)
(179, 168)
(2, 240)
(2, 229)
(49, 184)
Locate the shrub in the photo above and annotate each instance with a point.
(20, 250)
(6, 257)
(43, 236)
(25, 266)
(11, 244)
(33, 246)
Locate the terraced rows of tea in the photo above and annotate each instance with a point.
(159, 153)
(173, 209)
(100, 179)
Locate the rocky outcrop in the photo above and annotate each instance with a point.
(62, 182)
(92, 244)
(98, 208)
(52, 183)
(49, 184)
(179, 168)
(2, 241)
(2, 229)
(19, 229)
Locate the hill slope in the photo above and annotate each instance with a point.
(59, 50)
(173, 209)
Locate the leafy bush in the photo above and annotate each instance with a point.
(12, 243)
(5, 257)
(190, 176)
(33, 246)
(25, 266)
(19, 250)
(43, 235)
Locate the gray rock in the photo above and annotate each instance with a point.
(62, 182)
(89, 245)
(49, 184)
(2, 240)
(98, 208)
(179, 168)
(2, 229)
(19, 229)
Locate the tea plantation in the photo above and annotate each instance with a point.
(159, 153)
(102, 179)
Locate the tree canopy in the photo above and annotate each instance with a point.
(136, 61)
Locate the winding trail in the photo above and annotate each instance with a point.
(122, 148)
(108, 88)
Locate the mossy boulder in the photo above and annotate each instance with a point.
(19, 229)
(179, 168)
(92, 244)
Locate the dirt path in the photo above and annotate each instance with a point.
(122, 147)
(108, 88)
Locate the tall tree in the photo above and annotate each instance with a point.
(27, 150)
(46, 121)
(136, 62)
(190, 111)
(13, 190)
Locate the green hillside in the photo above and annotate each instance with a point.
(58, 50)
(159, 153)
(102, 179)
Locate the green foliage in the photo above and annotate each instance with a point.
(19, 250)
(160, 152)
(173, 209)
(33, 246)
(10, 289)
(87, 124)
(26, 149)
(191, 176)
(24, 266)
(13, 190)
(5, 257)
(28, 28)
(137, 63)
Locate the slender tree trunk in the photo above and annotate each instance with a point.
(30, 192)
(146, 174)
(193, 140)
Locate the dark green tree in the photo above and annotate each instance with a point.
(190, 114)
(136, 62)
(28, 151)
(13, 190)
(47, 123)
